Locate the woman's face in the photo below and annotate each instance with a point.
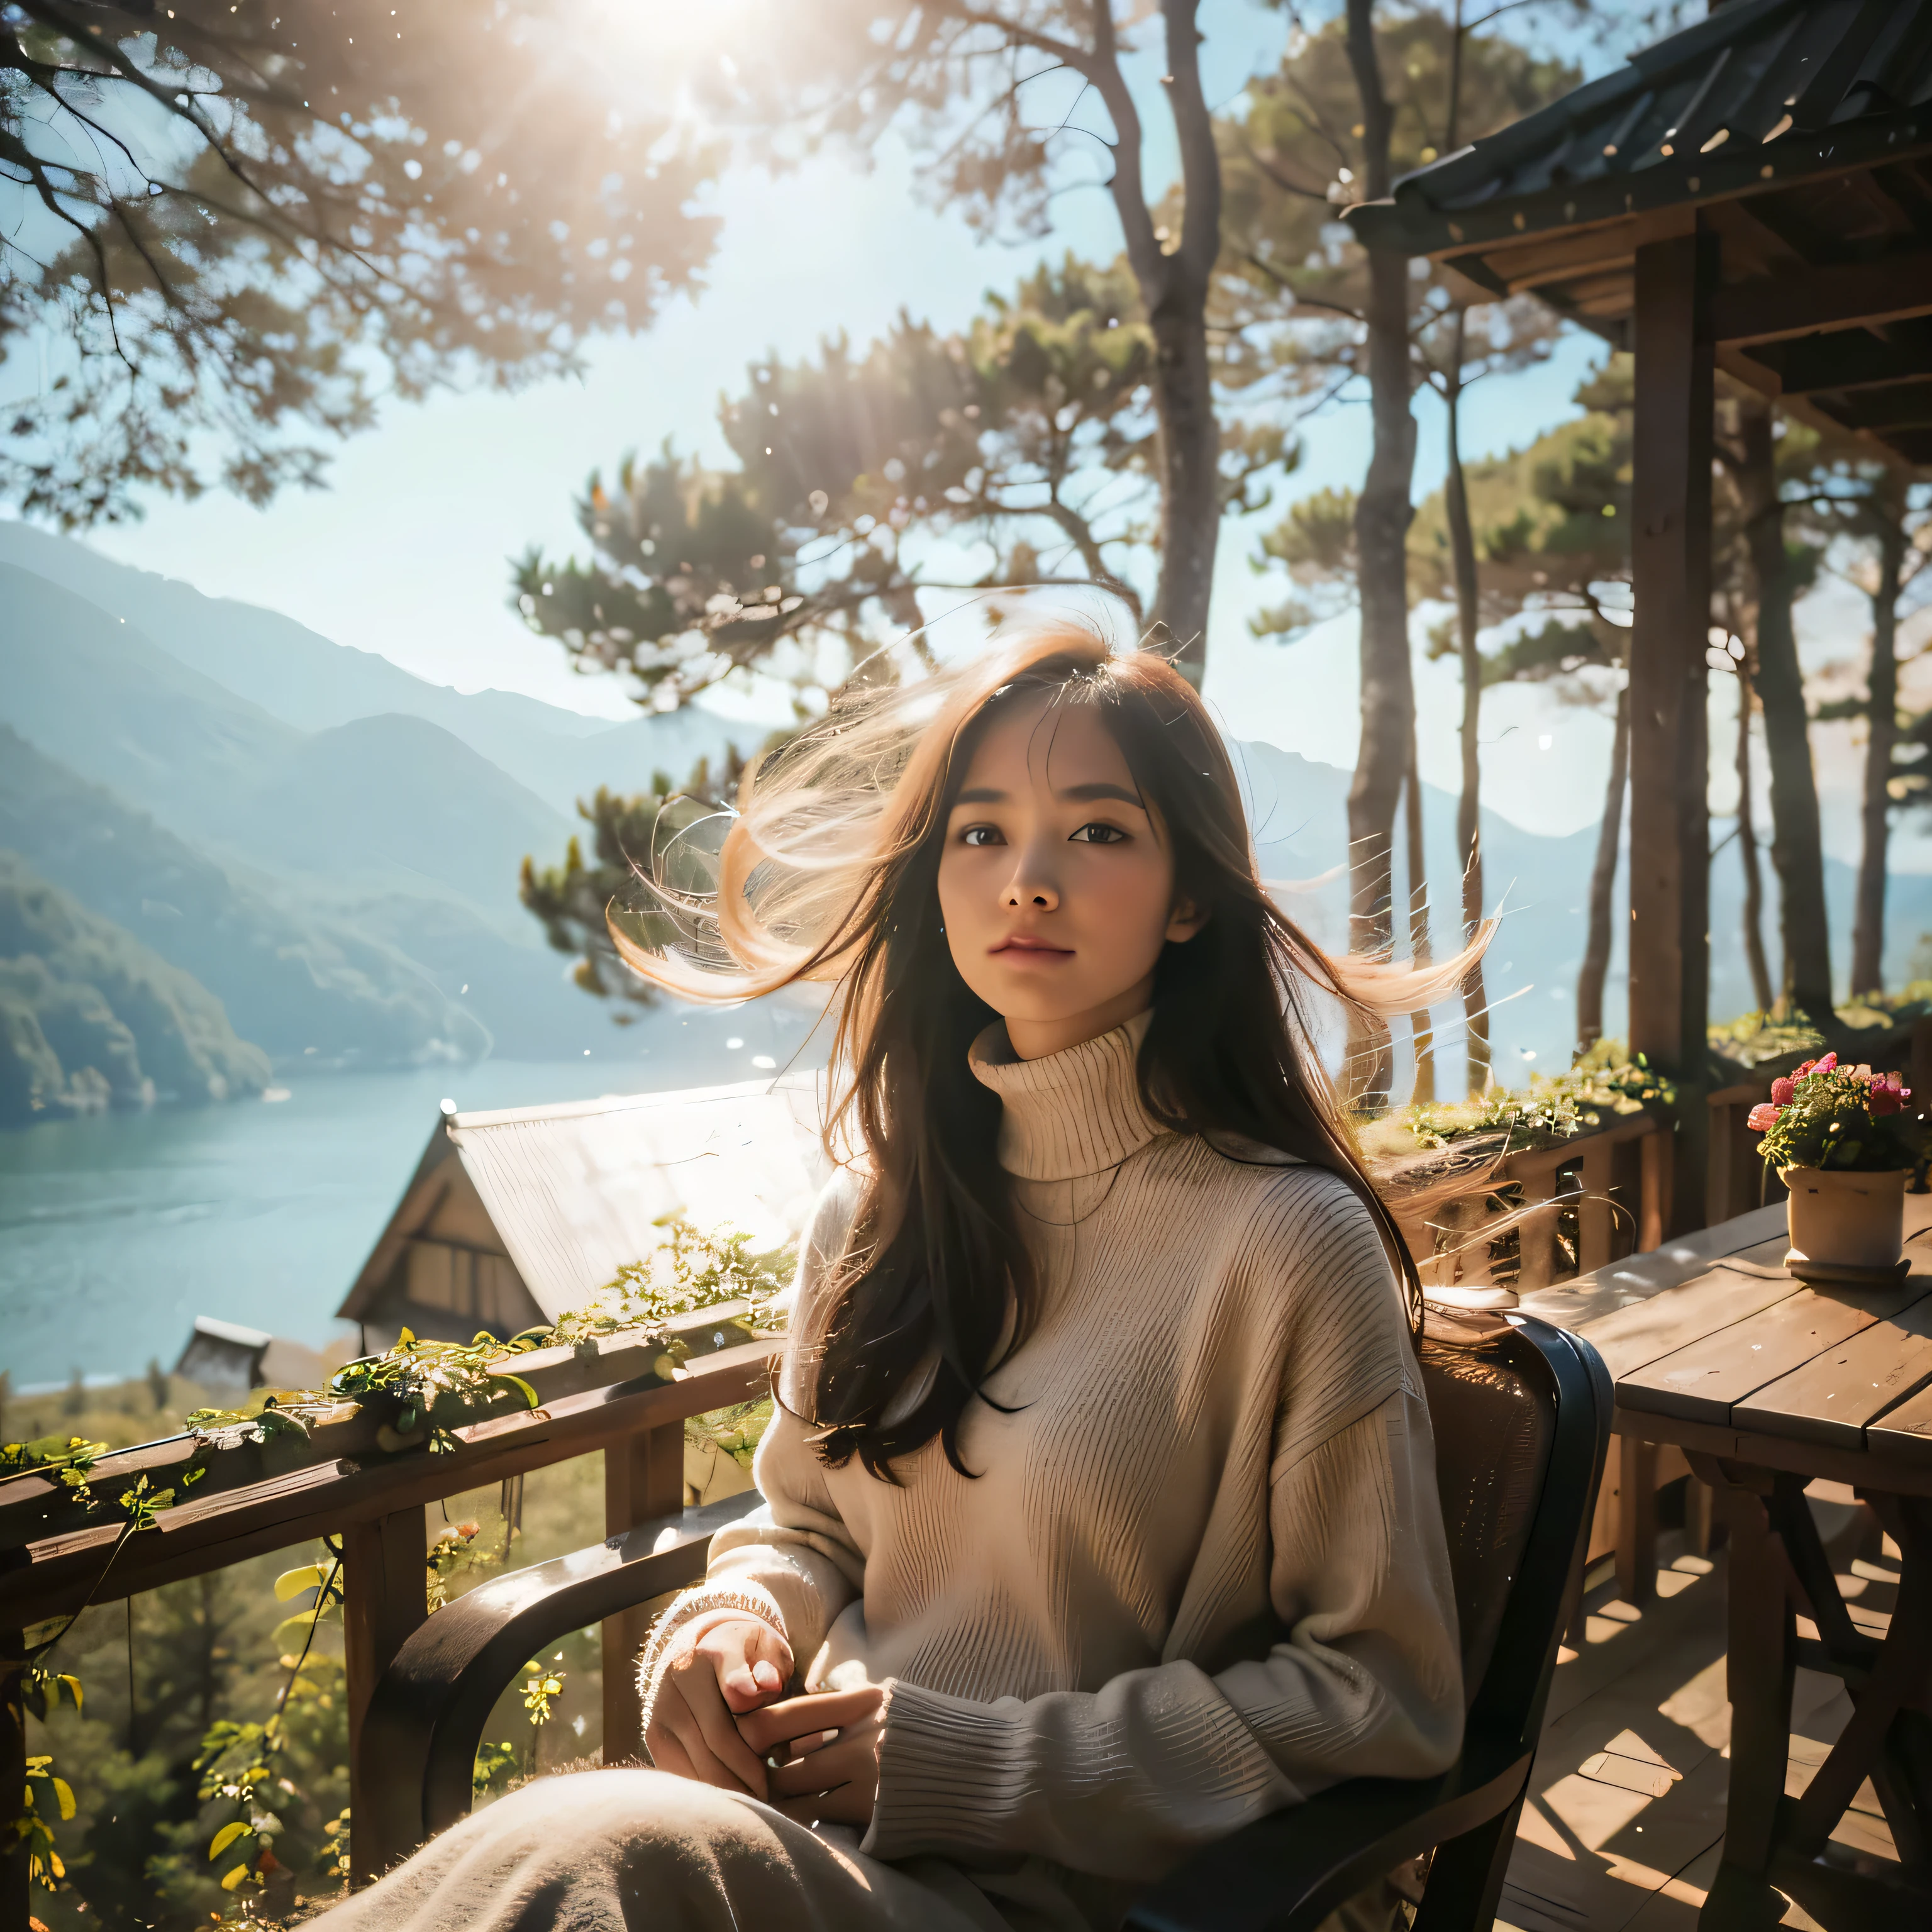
(1056, 883)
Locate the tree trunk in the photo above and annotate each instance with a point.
(1881, 711)
(1469, 807)
(1382, 515)
(1174, 282)
(1602, 876)
(1423, 1034)
(1760, 971)
(1188, 456)
(1797, 850)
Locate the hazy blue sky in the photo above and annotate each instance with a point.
(405, 553)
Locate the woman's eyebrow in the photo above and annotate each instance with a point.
(1079, 794)
(1086, 794)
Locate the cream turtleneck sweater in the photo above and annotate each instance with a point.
(1201, 1574)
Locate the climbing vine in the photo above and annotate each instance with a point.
(422, 1391)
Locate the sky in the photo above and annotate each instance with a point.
(406, 552)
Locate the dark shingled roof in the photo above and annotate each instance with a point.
(1795, 135)
(1761, 91)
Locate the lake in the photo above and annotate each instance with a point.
(117, 1230)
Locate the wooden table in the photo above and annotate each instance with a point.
(1767, 1385)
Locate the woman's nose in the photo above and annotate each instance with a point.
(1031, 885)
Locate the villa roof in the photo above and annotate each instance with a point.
(570, 1194)
(1797, 133)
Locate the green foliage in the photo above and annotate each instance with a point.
(1758, 1039)
(66, 1461)
(267, 1810)
(692, 1269)
(737, 1430)
(1024, 441)
(459, 1552)
(31, 1830)
(634, 839)
(251, 229)
(1551, 525)
(1826, 1115)
(496, 1763)
(1315, 543)
(1605, 1082)
(260, 1770)
(1292, 287)
(541, 1684)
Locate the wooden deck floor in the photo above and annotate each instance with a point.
(1625, 1819)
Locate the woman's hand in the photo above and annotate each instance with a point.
(825, 1746)
(720, 1667)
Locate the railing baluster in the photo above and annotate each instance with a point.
(15, 1905)
(385, 1579)
(643, 1477)
(1593, 1211)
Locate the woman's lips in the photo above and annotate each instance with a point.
(1025, 944)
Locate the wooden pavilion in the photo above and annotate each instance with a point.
(1753, 195)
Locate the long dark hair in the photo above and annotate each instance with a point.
(832, 872)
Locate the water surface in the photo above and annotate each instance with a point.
(117, 1230)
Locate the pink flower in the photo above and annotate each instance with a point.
(1824, 1066)
(1886, 1096)
(1784, 1092)
(1804, 1069)
(1762, 1116)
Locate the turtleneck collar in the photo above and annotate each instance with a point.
(1068, 1114)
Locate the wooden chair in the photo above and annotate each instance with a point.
(1522, 1425)
(1522, 1414)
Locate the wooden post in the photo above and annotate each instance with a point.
(1637, 1520)
(1760, 1663)
(643, 1477)
(1653, 1211)
(15, 1903)
(385, 1576)
(1593, 1209)
(1670, 571)
(1536, 1232)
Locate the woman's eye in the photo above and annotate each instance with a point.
(1101, 835)
(982, 835)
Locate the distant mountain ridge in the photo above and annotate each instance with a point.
(294, 675)
(90, 1017)
(351, 833)
(296, 987)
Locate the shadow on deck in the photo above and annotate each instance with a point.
(1624, 1823)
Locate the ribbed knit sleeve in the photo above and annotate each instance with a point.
(1363, 1677)
(793, 1561)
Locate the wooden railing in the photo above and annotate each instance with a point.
(1614, 1178)
(627, 1395)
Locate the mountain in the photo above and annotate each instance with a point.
(1540, 886)
(90, 689)
(387, 801)
(88, 1015)
(292, 674)
(301, 988)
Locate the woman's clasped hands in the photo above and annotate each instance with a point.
(722, 1717)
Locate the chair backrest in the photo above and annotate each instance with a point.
(1521, 1413)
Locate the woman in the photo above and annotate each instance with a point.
(1100, 1511)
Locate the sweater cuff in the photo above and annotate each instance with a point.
(744, 1597)
(951, 1774)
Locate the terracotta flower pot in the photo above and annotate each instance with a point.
(1840, 1218)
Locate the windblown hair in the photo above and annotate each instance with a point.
(829, 871)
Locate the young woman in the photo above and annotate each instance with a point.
(1100, 1511)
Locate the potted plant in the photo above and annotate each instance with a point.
(1844, 1146)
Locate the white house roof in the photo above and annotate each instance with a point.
(576, 1192)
